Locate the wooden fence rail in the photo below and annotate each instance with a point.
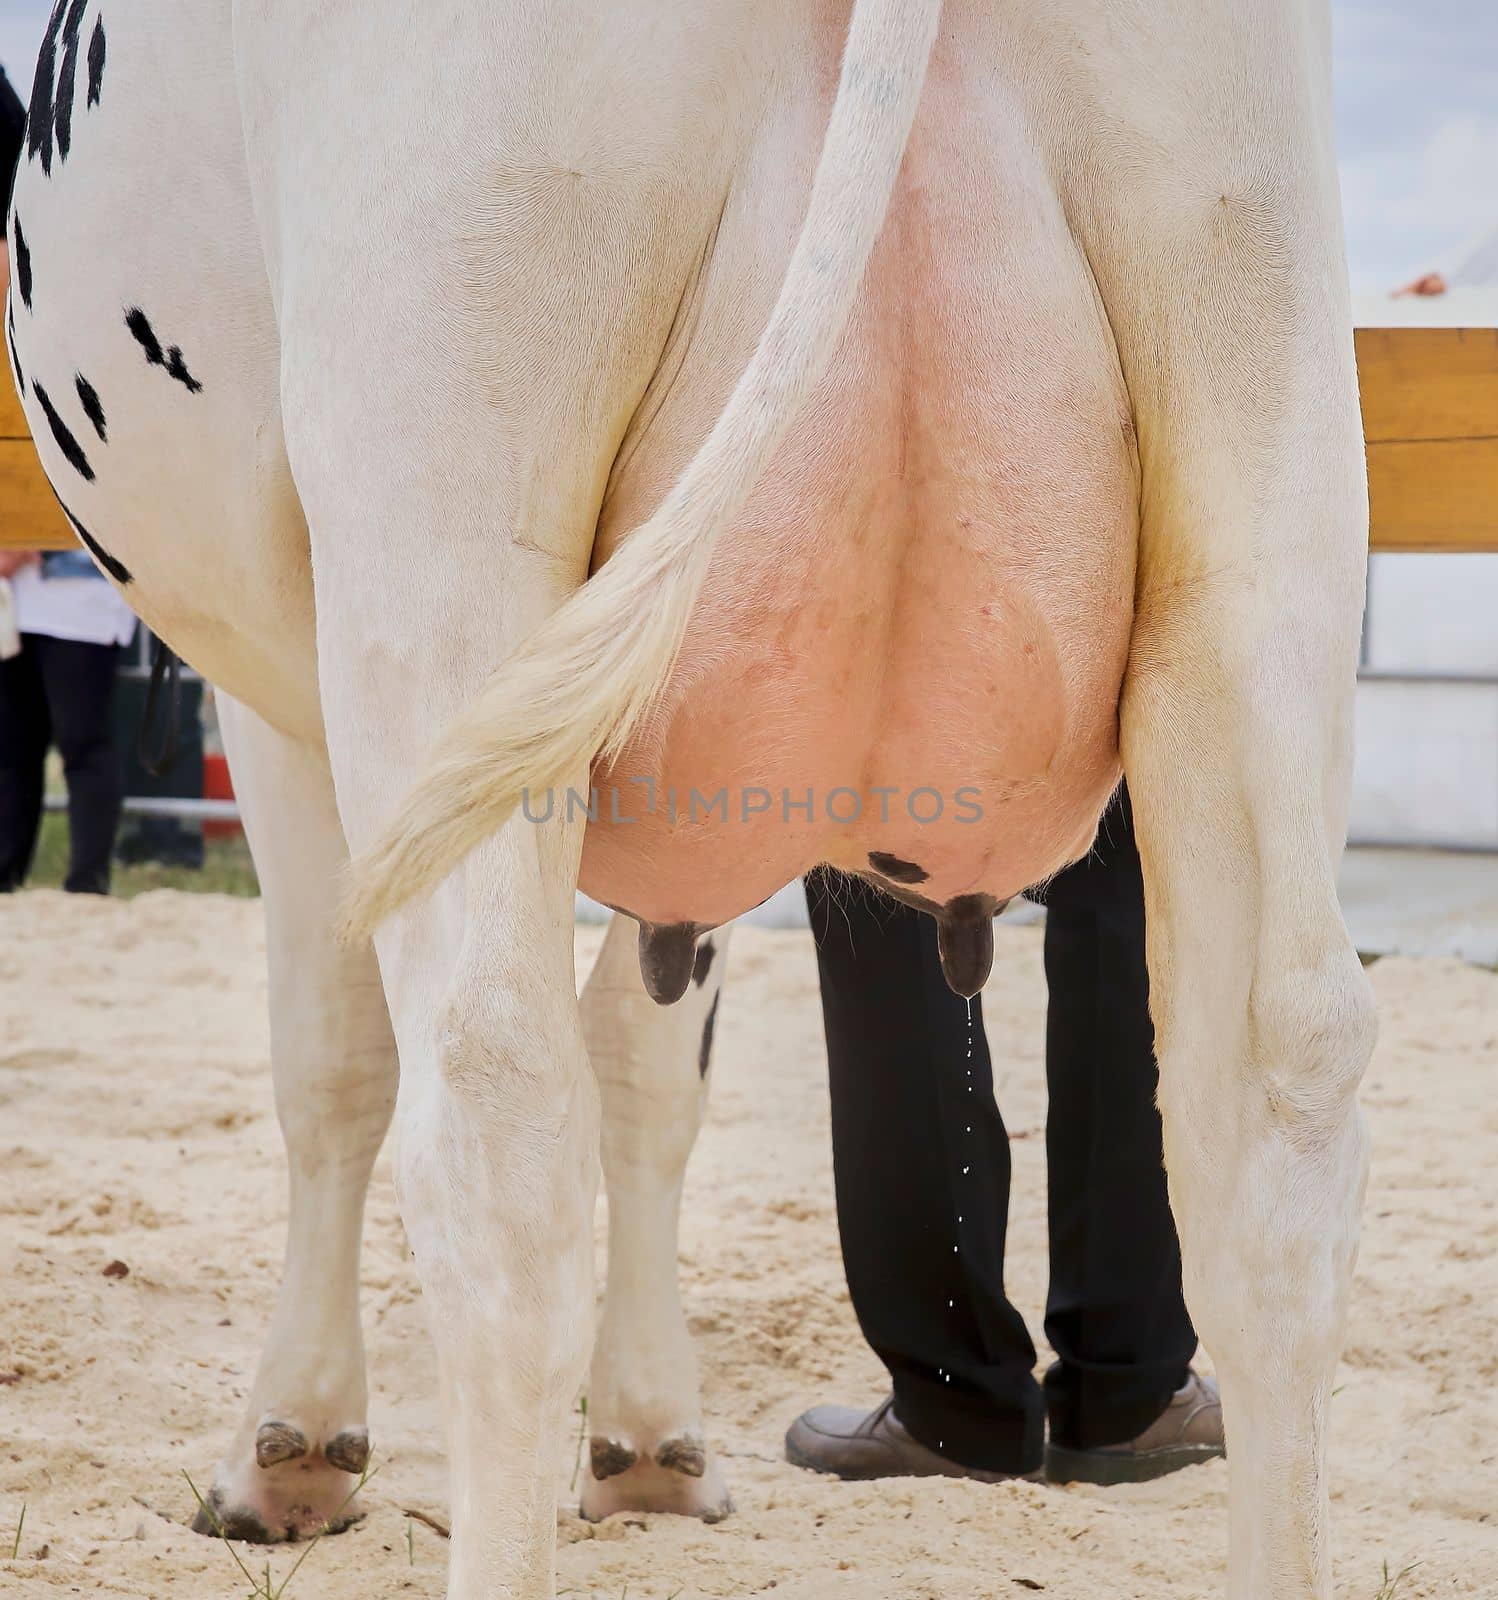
(1430, 409)
(1430, 412)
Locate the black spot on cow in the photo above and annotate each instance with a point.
(139, 325)
(93, 408)
(116, 569)
(49, 118)
(896, 870)
(704, 962)
(177, 368)
(72, 451)
(67, 80)
(15, 355)
(705, 1051)
(39, 113)
(96, 63)
(23, 262)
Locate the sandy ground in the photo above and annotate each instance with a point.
(136, 1126)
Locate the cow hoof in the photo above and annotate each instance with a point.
(686, 1456)
(289, 1491)
(276, 1442)
(679, 1478)
(610, 1459)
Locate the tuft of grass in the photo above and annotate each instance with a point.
(226, 869)
(582, 1428)
(15, 1545)
(263, 1586)
(1390, 1586)
(411, 1541)
(562, 1594)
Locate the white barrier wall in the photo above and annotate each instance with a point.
(1427, 762)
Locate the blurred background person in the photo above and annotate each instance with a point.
(59, 690)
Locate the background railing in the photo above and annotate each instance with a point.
(1430, 408)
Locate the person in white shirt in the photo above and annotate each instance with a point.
(59, 690)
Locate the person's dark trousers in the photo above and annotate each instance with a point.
(25, 732)
(1115, 1315)
(58, 691)
(923, 1201)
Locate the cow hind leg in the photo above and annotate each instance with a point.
(1265, 1026)
(496, 1169)
(452, 432)
(419, 592)
(1237, 740)
(294, 1463)
(648, 1450)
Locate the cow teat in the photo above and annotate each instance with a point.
(667, 957)
(964, 937)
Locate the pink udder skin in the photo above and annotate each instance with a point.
(931, 589)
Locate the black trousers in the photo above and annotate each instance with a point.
(922, 1168)
(61, 692)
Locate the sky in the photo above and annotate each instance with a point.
(1417, 111)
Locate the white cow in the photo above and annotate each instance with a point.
(1016, 439)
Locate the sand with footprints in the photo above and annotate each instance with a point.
(136, 1128)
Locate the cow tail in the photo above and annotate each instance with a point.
(584, 681)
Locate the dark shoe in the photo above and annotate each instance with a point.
(859, 1446)
(1190, 1430)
